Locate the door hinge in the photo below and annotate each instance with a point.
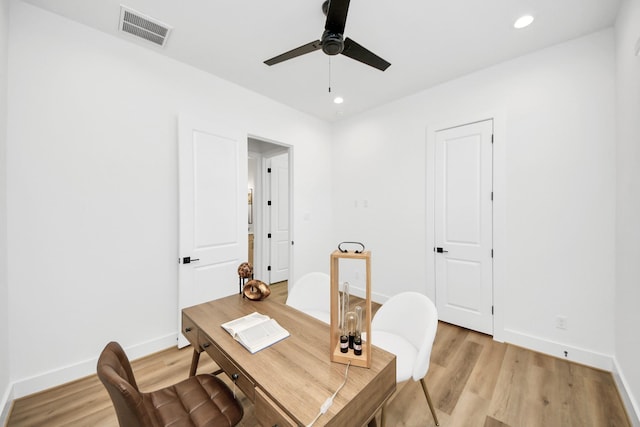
(268, 170)
(492, 196)
(491, 310)
(268, 202)
(268, 235)
(491, 253)
(268, 268)
(492, 138)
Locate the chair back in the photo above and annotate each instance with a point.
(114, 370)
(311, 294)
(414, 317)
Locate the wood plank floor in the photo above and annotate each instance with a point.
(473, 381)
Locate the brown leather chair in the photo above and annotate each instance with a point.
(201, 400)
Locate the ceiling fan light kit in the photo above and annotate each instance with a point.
(333, 41)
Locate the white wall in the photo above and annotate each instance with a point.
(4, 288)
(628, 202)
(92, 191)
(92, 194)
(555, 183)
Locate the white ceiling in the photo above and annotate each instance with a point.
(427, 41)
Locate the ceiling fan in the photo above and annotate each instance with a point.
(333, 42)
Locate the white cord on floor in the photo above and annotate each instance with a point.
(327, 403)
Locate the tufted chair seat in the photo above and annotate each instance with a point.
(201, 400)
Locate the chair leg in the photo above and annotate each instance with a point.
(426, 393)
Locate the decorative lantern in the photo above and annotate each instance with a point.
(343, 319)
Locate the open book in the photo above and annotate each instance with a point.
(255, 331)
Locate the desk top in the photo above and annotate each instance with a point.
(297, 372)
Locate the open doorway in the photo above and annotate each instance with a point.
(269, 195)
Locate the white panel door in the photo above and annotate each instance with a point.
(212, 211)
(463, 226)
(279, 218)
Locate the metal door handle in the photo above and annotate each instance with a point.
(188, 260)
(440, 250)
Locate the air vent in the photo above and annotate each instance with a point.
(142, 26)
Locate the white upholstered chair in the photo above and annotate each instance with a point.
(406, 326)
(311, 295)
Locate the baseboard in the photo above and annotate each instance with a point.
(561, 350)
(85, 368)
(630, 403)
(5, 404)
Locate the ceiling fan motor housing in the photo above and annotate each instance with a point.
(332, 43)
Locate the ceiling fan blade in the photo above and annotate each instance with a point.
(307, 48)
(337, 16)
(354, 51)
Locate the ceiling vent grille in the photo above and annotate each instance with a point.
(143, 26)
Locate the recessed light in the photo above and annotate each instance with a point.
(338, 100)
(523, 21)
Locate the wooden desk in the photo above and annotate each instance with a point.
(289, 381)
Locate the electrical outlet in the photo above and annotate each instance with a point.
(561, 322)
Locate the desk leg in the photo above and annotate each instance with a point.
(194, 362)
(373, 422)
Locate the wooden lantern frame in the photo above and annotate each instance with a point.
(364, 360)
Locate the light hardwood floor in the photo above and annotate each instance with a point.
(473, 381)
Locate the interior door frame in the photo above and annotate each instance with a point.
(499, 208)
(260, 226)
